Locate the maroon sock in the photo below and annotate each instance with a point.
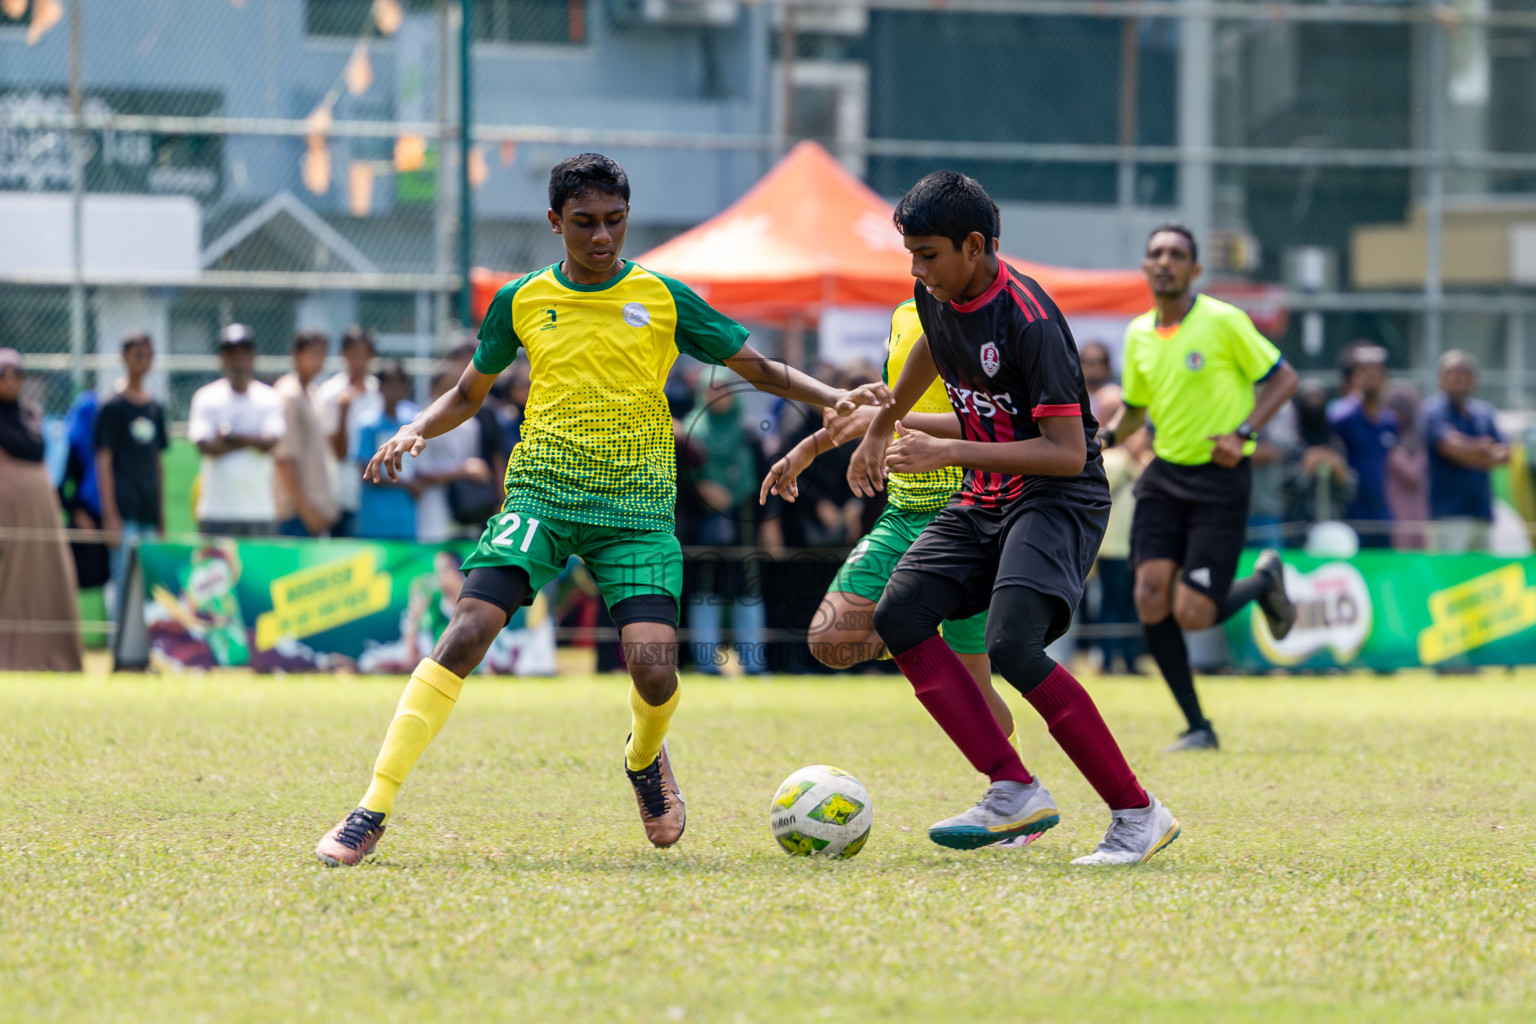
(1076, 724)
(952, 697)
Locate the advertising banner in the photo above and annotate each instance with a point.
(303, 606)
(1396, 609)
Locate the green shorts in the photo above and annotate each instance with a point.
(873, 559)
(624, 563)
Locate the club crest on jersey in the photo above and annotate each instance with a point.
(1195, 361)
(991, 359)
(636, 315)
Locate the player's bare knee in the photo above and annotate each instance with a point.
(654, 679)
(830, 654)
(1193, 610)
(1153, 592)
(1151, 605)
(844, 650)
(469, 635)
(1188, 619)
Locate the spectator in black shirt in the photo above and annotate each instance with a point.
(130, 435)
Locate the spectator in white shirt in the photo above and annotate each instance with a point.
(349, 399)
(235, 423)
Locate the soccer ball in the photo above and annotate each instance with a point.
(821, 811)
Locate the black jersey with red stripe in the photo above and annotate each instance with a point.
(1008, 360)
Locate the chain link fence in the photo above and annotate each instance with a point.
(1355, 169)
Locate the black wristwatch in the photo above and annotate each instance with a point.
(1245, 431)
(1106, 438)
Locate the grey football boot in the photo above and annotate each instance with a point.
(1134, 835)
(1007, 810)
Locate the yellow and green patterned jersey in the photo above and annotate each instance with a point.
(597, 444)
(917, 492)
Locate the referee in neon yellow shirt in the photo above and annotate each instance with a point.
(1192, 363)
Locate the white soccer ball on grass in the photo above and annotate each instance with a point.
(821, 811)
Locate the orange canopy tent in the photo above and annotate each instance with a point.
(810, 237)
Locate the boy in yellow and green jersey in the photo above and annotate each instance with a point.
(1192, 364)
(842, 632)
(594, 476)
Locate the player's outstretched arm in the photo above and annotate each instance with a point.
(867, 468)
(452, 408)
(853, 426)
(783, 380)
(838, 429)
(936, 424)
(783, 476)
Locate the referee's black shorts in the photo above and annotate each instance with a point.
(1196, 516)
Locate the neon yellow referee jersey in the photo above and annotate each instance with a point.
(917, 492)
(1198, 379)
(597, 444)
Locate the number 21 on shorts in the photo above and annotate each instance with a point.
(510, 525)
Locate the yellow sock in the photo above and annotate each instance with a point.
(649, 728)
(424, 707)
(1013, 741)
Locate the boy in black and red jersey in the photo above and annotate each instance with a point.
(1019, 537)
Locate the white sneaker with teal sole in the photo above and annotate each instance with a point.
(1008, 810)
(1134, 835)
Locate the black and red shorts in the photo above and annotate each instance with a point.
(1046, 544)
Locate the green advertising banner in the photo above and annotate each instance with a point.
(299, 606)
(1396, 609)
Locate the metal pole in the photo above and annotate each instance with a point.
(445, 181)
(1514, 355)
(1130, 75)
(466, 203)
(788, 40)
(1197, 111)
(77, 205)
(1434, 197)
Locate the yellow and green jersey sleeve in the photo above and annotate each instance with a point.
(1197, 382)
(917, 492)
(597, 444)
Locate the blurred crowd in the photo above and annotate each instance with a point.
(1401, 469)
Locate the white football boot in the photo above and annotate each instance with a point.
(1134, 835)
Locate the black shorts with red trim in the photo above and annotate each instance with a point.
(1196, 516)
(1045, 544)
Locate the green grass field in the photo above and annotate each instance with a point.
(1362, 851)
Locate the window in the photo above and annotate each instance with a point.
(349, 18)
(530, 21)
(492, 21)
(831, 105)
